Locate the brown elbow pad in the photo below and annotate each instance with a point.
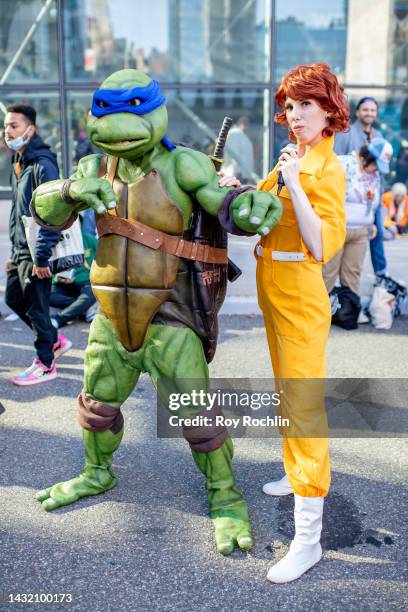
(96, 416)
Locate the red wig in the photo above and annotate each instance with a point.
(315, 82)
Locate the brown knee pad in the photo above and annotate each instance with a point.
(96, 416)
(204, 439)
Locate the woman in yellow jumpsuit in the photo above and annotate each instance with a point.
(292, 294)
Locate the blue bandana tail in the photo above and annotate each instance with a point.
(169, 145)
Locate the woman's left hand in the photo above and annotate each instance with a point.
(228, 181)
(289, 165)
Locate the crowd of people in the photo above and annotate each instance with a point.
(372, 215)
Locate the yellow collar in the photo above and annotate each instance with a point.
(312, 163)
(314, 160)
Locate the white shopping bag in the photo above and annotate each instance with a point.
(68, 252)
(382, 308)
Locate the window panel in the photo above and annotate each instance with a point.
(28, 42)
(309, 32)
(173, 40)
(364, 43)
(79, 146)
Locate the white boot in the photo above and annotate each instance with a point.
(278, 487)
(305, 550)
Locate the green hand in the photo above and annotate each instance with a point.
(93, 193)
(256, 211)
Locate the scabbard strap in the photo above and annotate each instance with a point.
(155, 239)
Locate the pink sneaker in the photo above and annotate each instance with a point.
(35, 374)
(61, 346)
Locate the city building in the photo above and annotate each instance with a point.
(212, 58)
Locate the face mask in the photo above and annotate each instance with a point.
(17, 143)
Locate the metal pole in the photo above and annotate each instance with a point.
(62, 91)
(272, 76)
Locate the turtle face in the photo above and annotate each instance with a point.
(126, 134)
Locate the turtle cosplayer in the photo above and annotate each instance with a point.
(146, 193)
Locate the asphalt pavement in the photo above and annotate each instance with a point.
(147, 544)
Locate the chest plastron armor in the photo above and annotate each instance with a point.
(131, 280)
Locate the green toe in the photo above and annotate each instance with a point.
(245, 542)
(42, 495)
(226, 547)
(50, 504)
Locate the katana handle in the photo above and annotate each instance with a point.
(222, 137)
(220, 143)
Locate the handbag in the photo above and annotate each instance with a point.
(66, 254)
(381, 308)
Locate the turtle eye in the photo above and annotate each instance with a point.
(134, 102)
(103, 104)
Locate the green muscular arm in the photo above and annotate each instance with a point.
(86, 189)
(253, 211)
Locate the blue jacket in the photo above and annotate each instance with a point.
(38, 164)
(352, 140)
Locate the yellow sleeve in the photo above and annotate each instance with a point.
(269, 182)
(327, 200)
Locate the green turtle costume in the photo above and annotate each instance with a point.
(145, 193)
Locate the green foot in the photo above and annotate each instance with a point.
(228, 510)
(68, 492)
(230, 532)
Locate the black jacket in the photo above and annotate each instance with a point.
(38, 165)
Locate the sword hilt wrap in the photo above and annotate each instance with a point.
(220, 143)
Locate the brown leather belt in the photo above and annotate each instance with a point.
(155, 239)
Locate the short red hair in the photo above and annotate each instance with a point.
(319, 83)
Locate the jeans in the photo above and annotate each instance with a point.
(29, 297)
(74, 298)
(377, 245)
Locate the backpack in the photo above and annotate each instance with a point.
(346, 316)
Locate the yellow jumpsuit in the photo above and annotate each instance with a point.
(296, 306)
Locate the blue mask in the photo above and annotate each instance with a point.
(137, 100)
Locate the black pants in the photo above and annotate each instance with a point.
(29, 297)
(74, 298)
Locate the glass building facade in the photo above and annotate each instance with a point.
(212, 57)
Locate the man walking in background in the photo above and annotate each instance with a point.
(239, 152)
(28, 283)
